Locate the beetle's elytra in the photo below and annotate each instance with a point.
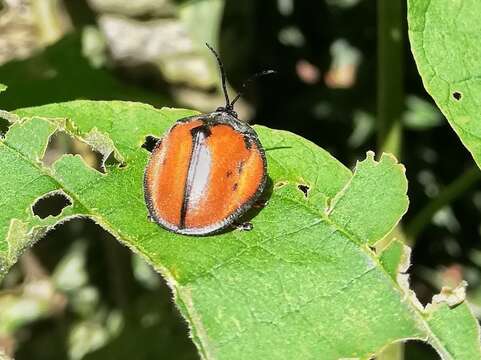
(205, 172)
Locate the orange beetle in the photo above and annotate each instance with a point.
(206, 171)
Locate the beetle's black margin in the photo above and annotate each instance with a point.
(212, 119)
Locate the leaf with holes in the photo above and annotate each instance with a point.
(305, 282)
(445, 37)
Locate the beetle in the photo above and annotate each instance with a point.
(206, 171)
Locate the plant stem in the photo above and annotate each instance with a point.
(390, 100)
(390, 89)
(445, 197)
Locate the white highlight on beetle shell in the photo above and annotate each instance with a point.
(199, 170)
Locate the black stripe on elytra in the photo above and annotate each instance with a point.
(188, 182)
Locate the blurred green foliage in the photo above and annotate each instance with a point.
(61, 72)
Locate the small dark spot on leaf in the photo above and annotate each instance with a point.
(51, 204)
(150, 142)
(235, 186)
(247, 226)
(279, 184)
(328, 203)
(457, 95)
(228, 173)
(373, 249)
(304, 188)
(277, 148)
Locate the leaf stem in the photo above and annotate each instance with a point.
(390, 87)
(446, 196)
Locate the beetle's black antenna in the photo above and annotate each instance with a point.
(222, 73)
(247, 82)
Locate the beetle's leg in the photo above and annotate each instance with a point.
(151, 142)
(261, 203)
(246, 226)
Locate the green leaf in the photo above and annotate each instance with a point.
(445, 37)
(454, 332)
(304, 283)
(395, 258)
(349, 205)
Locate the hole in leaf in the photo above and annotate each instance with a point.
(4, 126)
(6, 120)
(61, 143)
(457, 95)
(421, 287)
(304, 188)
(150, 142)
(112, 161)
(415, 349)
(51, 204)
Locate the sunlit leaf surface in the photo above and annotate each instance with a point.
(445, 37)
